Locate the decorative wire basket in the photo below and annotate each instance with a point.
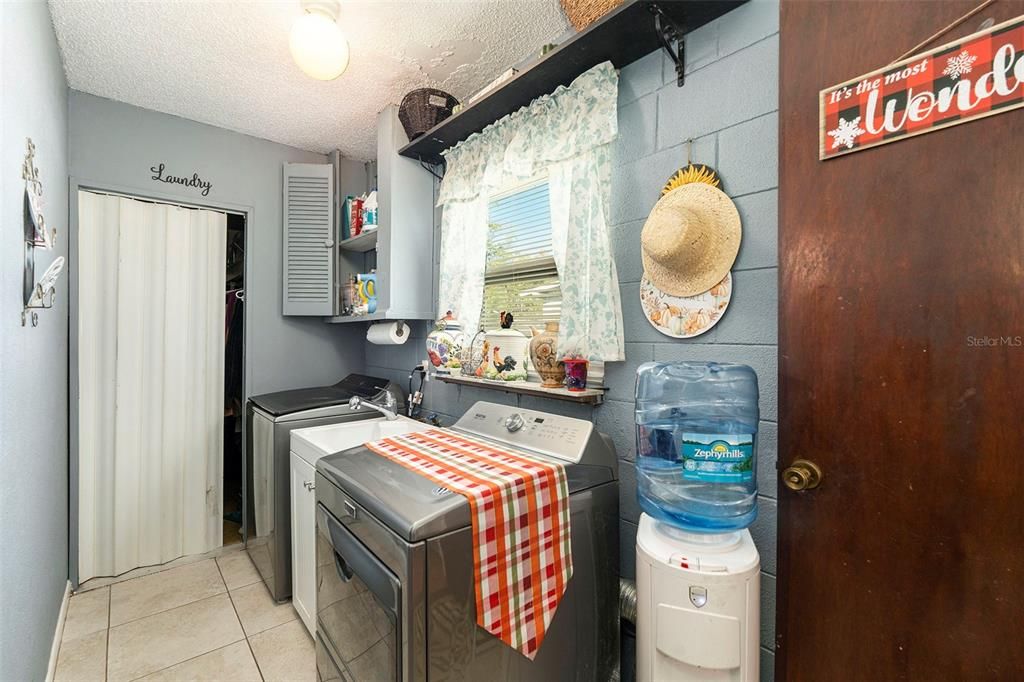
(473, 356)
(423, 109)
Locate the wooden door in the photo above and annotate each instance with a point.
(896, 264)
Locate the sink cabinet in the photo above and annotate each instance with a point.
(307, 447)
(303, 483)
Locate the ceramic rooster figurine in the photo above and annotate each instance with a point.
(500, 365)
(483, 359)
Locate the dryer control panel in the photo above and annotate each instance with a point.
(549, 434)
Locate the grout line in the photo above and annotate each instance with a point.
(722, 57)
(239, 618)
(186, 660)
(759, 268)
(171, 608)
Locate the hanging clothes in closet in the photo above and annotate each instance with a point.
(234, 324)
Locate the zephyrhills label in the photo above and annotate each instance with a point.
(718, 457)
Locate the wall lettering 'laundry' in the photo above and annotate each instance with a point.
(977, 76)
(204, 186)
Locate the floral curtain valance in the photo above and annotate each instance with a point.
(572, 120)
(568, 135)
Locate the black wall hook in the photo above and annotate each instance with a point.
(668, 33)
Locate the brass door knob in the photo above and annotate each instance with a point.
(802, 474)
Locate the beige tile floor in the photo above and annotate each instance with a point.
(208, 620)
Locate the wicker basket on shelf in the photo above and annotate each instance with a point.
(423, 109)
(582, 13)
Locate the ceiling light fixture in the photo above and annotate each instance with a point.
(317, 43)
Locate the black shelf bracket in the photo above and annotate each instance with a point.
(670, 33)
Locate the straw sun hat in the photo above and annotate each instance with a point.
(690, 239)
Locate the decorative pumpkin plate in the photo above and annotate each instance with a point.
(683, 317)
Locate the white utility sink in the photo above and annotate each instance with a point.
(315, 442)
(307, 446)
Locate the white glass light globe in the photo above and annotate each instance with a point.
(319, 46)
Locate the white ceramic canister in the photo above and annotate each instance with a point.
(508, 354)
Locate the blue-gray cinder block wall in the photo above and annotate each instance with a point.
(729, 107)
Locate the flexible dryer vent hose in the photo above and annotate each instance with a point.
(627, 600)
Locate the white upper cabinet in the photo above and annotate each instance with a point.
(401, 250)
(309, 239)
(405, 245)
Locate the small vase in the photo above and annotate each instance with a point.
(576, 374)
(544, 357)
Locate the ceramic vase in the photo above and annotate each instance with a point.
(545, 359)
(576, 374)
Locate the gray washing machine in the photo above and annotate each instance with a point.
(395, 579)
(270, 419)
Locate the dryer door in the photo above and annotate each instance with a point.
(358, 602)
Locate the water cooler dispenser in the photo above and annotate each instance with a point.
(698, 605)
(698, 571)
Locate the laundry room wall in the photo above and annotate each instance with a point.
(114, 145)
(729, 106)
(33, 360)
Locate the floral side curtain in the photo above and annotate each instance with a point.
(569, 134)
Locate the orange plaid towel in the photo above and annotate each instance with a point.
(520, 511)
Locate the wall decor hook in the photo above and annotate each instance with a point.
(670, 33)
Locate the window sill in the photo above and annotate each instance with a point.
(589, 396)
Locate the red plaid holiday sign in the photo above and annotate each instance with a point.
(522, 557)
(977, 76)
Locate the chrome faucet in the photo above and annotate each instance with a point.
(389, 409)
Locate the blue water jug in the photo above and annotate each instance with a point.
(696, 444)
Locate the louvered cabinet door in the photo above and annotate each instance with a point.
(309, 239)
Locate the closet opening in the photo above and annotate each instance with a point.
(234, 378)
(158, 370)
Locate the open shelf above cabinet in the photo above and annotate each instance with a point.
(367, 241)
(622, 36)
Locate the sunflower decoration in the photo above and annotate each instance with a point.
(690, 174)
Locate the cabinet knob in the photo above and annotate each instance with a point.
(328, 243)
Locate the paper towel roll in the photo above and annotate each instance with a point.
(388, 333)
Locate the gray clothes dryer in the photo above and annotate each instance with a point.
(395, 576)
(270, 419)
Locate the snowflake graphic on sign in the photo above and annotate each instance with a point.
(847, 133)
(959, 65)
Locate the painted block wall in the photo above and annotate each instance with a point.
(729, 106)
(33, 361)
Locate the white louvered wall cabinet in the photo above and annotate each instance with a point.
(404, 255)
(310, 231)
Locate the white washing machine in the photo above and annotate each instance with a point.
(698, 605)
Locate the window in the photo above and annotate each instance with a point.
(520, 276)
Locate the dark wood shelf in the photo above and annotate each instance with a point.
(622, 36)
(588, 396)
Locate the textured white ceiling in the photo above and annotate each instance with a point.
(228, 64)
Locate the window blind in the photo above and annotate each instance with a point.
(521, 276)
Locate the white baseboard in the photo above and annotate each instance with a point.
(58, 634)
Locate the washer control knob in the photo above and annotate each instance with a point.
(514, 422)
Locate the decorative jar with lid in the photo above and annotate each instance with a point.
(444, 344)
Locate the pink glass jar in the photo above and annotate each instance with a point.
(576, 374)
